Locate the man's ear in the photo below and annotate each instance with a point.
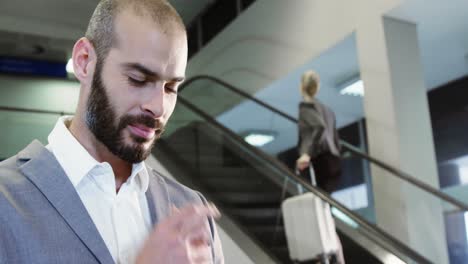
(84, 60)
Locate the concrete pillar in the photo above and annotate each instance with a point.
(399, 133)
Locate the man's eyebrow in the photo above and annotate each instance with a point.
(141, 68)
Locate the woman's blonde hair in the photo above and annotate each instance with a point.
(310, 84)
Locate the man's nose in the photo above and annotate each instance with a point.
(154, 101)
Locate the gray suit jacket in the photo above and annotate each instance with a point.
(42, 219)
(317, 129)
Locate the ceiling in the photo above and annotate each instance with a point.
(443, 37)
(47, 29)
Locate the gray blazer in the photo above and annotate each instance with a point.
(317, 129)
(42, 219)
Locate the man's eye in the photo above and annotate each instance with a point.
(170, 88)
(136, 82)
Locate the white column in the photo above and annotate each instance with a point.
(400, 133)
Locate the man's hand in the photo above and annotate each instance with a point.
(182, 238)
(303, 162)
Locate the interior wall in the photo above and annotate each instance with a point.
(19, 129)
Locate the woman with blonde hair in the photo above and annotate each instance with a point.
(318, 144)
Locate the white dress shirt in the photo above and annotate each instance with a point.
(122, 218)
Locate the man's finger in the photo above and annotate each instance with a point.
(194, 225)
(201, 238)
(194, 211)
(174, 209)
(199, 253)
(192, 218)
(215, 209)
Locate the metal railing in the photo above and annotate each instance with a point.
(36, 111)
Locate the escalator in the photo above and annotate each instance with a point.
(248, 184)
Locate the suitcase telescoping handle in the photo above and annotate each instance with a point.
(313, 180)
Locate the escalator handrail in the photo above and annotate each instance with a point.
(363, 223)
(36, 111)
(347, 146)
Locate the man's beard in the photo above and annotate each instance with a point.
(102, 120)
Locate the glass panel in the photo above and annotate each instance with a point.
(358, 196)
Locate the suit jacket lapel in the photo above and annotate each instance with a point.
(41, 167)
(158, 197)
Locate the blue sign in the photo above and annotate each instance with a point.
(32, 67)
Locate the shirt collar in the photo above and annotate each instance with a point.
(139, 177)
(76, 160)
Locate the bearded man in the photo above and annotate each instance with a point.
(87, 196)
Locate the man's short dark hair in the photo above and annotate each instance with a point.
(100, 29)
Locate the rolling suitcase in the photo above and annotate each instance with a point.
(310, 229)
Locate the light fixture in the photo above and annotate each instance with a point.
(465, 216)
(352, 86)
(354, 89)
(463, 174)
(392, 259)
(69, 66)
(258, 139)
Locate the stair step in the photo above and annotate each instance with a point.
(254, 216)
(267, 230)
(282, 253)
(270, 235)
(205, 159)
(248, 197)
(226, 172)
(236, 183)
